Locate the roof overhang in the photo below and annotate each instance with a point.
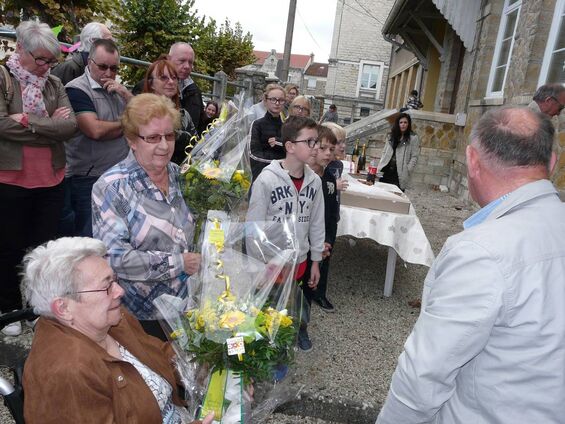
(415, 21)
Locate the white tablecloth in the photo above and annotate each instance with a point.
(402, 232)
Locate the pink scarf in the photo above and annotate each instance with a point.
(32, 87)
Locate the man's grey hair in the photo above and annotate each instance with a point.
(50, 270)
(515, 136)
(32, 35)
(91, 32)
(177, 45)
(108, 45)
(548, 90)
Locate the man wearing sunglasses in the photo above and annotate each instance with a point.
(549, 99)
(98, 101)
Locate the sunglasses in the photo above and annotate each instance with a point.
(103, 67)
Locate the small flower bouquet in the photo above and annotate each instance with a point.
(217, 174)
(240, 332)
(207, 186)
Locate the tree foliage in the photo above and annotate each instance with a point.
(224, 48)
(71, 14)
(146, 28)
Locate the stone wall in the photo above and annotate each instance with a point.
(438, 136)
(257, 80)
(320, 89)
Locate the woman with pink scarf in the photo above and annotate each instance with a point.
(36, 119)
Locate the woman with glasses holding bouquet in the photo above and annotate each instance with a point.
(161, 78)
(36, 119)
(138, 211)
(265, 143)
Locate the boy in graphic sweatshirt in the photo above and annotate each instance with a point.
(289, 187)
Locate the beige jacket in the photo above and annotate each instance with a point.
(406, 158)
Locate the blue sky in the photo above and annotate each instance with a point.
(266, 21)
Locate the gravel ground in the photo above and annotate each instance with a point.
(345, 378)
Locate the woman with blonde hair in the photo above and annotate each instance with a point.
(265, 144)
(140, 214)
(300, 106)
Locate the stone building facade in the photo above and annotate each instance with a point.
(471, 56)
(359, 59)
(315, 79)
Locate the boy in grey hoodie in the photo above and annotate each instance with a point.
(289, 187)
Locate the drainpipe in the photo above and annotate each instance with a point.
(476, 47)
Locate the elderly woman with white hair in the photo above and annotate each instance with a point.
(73, 66)
(90, 361)
(35, 121)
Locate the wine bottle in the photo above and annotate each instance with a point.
(355, 156)
(362, 159)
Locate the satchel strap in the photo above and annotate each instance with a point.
(8, 88)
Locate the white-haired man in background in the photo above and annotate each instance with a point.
(73, 66)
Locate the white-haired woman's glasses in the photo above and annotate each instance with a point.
(107, 289)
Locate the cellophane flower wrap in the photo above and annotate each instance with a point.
(237, 337)
(216, 173)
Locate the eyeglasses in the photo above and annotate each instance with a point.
(103, 67)
(276, 100)
(301, 108)
(561, 105)
(41, 61)
(156, 138)
(311, 142)
(165, 78)
(107, 289)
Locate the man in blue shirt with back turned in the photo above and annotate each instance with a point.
(489, 343)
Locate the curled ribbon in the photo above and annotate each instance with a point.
(194, 140)
(226, 295)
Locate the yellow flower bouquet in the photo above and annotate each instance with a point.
(216, 173)
(241, 327)
(208, 186)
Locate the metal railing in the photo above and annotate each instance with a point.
(219, 81)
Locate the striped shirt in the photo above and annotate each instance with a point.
(145, 233)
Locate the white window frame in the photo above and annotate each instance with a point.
(377, 90)
(311, 80)
(551, 40)
(501, 29)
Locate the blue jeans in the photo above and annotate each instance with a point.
(76, 217)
